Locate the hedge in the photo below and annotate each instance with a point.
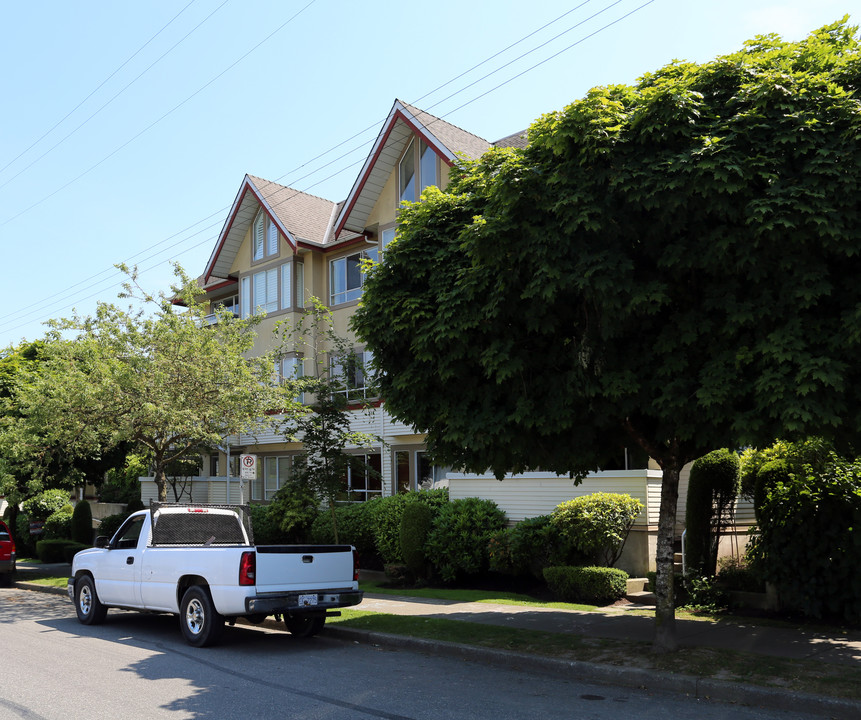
(594, 585)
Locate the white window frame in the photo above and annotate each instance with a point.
(361, 385)
(264, 237)
(286, 285)
(338, 267)
(407, 189)
(363, 494)
(273, 482)
(264, 289)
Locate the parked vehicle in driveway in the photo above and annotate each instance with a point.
(199, 562)
(7, 552)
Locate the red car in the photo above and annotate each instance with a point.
(7, 550)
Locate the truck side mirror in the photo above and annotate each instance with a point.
(102, 541)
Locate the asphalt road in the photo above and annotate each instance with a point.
(138, 666)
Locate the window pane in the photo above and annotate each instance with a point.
(283, 471)
(259, 229)
(387, 236)
(354, 272)
(271, 290)
(375, 474)
(402, 471)
(300, 284)
(259, 300)
(245, 297)
(338, 279)
(271, 239)
(428, 167)
(407, 174)
(286, 286)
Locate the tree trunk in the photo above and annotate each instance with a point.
(665, 613)
(161, 482)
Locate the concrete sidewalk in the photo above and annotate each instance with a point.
(617, 623)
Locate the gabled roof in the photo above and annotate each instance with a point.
(403, 120)
(300, 218)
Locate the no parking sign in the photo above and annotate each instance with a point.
(247, 467)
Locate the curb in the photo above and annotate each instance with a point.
(635, 678)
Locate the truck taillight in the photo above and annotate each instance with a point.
(355, 565)
(248, 569)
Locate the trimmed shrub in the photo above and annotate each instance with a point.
(73, 549)
(111, 524)
(530, 546)
(81, 530)
(457, 544)
(40, 507)
(594, 585)
(52, 551)
(712, 490)
(416, 524)
(809, 544)
(597, 525)
(134, 505)
(354, 528)
(59, 525)
(386, 514)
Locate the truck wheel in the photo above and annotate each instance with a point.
(87, 606)
(201, 624)
(305, 626)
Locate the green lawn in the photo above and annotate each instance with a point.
(466, 595)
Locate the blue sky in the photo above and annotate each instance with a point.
(128, 127)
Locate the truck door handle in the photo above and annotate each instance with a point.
(130, 560)
(307, 558)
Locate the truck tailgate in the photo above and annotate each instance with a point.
(283, 568)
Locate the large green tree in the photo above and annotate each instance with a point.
(672, 265)
(158, 374)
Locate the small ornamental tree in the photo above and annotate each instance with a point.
(681, 258)
(324, 425)
(159, 376)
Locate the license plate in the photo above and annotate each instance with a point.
(307, 600)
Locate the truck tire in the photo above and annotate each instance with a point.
(304, 626)
(88, 608)
(200, 623)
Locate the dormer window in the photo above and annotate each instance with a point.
(417, 155)
(264, 237)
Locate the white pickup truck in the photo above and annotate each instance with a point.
(199, 562)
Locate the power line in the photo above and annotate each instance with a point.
(122, 90)
(365, 143)
(157, 121)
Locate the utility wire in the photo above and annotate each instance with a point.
(94, 91)
(145, 71)
(364, 144)
(157, 121)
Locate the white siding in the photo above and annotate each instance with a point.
(535, 493)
